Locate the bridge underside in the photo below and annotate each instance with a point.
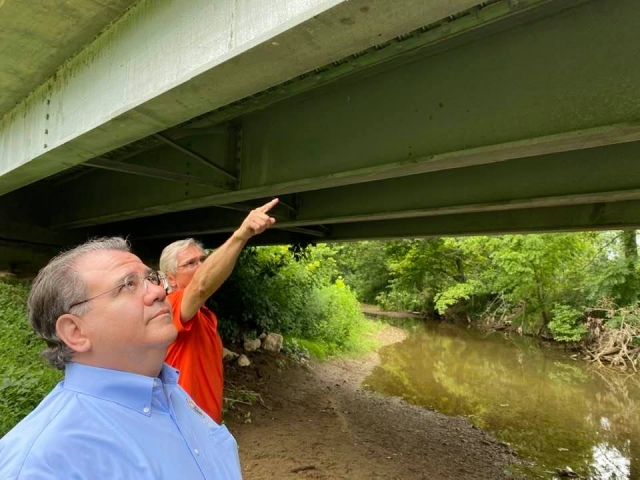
(500, 117)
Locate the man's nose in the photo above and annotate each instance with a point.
(155, 293)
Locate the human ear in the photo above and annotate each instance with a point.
(171, 280)
(69, 330)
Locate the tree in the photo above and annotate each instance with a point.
(627, 291)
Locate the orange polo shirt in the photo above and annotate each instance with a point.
(197, 353)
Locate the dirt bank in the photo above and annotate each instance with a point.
(318, 423)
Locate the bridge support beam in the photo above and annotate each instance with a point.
(500, 100)
(593, 176)
(166, 61)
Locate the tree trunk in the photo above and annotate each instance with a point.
(629, 289)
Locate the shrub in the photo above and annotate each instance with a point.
(566, 324)
(271, 289)
(335, 318)
(25, 377)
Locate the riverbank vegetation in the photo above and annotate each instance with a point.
(25, 378)
(578, 288)
(296, 292)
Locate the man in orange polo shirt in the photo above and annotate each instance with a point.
(193, 278)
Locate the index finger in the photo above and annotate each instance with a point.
(268, 206)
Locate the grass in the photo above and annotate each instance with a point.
(362, 342)
(25, 377)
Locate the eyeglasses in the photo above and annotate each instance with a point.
(194, 262)
(132, 283)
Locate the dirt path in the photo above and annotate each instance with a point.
(319, 424)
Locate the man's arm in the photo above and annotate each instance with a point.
(217, 268)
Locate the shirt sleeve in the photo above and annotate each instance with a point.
(175, 300)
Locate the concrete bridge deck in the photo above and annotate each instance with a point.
(368, 118)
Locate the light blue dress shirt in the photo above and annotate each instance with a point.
(107, 424)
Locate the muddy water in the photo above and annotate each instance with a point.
(553, 410)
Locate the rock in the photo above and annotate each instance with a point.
(228, 355)
(567, 472)
(262, 337)
(273, 342)
(252, 344)
(244, 361)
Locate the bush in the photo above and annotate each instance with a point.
(567, 324)
(300, 296)
(335, 319)
(25, 376)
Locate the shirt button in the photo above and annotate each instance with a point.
(145, 409)
(155, 383)
(196, 451)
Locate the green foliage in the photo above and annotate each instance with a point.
(362, 265)
(25, 377)
(627, 290)
(510, 280)
(567, 324)
(267, 291)
(335, 319)
(298, 294)
(617, 317)
(398, 299)
(305, 348)
(456, 293)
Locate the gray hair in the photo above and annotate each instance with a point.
(56, 288)
(169, 256)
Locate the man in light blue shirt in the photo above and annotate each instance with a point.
(119, 413)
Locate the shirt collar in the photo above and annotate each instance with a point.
(124, 388)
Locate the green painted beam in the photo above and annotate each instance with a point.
(150, 251)
(133, 169)
(618, 215)
(481, 20)
(164, 62)
(615, 215)
(605, 216)
(195, 156)
(568, 82)
(599, 175)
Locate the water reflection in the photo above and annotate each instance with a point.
(553, 410)
(609, 462)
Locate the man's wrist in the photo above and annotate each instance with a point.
(238, 236)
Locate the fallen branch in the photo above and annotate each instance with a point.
(615, 346)
(242, 396)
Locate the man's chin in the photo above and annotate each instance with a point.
(174, 334)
